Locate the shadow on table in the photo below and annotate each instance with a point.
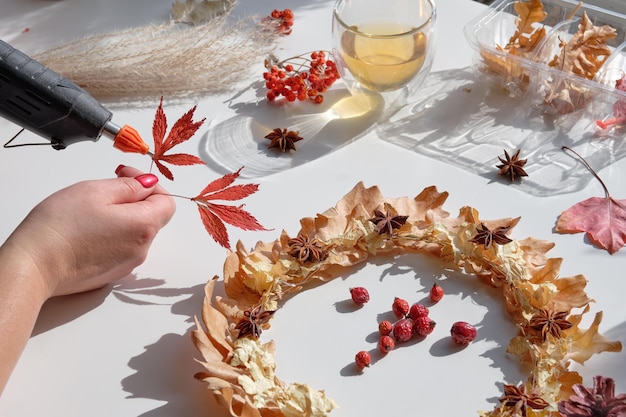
(495, 326)
(60, 310)
(164, 371)
(462, 119)
(64, 309)
(240, 141)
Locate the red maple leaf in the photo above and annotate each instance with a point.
(603, 219)
(214, 215)
(183, 129)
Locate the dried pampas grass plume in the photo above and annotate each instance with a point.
(199, 51)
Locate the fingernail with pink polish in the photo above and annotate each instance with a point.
(147, 180)
(118, 169)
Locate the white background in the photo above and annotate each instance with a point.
(125, 350)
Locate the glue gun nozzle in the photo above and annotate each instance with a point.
(127, 139)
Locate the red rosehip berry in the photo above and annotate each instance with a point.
(385, 327)
(403, 330)
(359, 295)
(423, 326)
(462, 333)
(418, 310)
(362, 359)
(400, 307)
(386, 344)
(436, 293)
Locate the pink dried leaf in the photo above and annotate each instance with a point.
(603, 219)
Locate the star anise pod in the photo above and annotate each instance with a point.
(486, 237)
(597, 402)
(306, 249)
(517, 398)
(550, 322)
(283, 139)
(388, 221)
(252, 322)
(512, 166)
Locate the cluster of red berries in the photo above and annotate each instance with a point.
(281, 20)
(300, 77)
(413, 321)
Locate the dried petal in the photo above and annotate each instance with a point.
(599, 401)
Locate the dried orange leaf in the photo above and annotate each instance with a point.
(586, 343)
(586, 51)
(529, 13)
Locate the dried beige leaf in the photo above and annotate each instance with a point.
(582, 56)
(586, 51)
(528, 34)
(508, 61)
(586, 343)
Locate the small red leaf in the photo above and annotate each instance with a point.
(159, 126)
(182, 159)
(214, 215)
(183, 130)
(236, 192)
(214, 226)
(164, 170)
(236, 216)
(220, 183)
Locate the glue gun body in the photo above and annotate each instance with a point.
(42, 101)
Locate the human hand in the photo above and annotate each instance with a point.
(93, 232)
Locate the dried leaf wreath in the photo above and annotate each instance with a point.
(240, 369)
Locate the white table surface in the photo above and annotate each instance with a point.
(125, 350)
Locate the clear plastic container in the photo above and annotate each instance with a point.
(529, 76)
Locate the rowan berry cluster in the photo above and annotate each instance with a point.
(280, 20)
(301, 77)
(413, 320)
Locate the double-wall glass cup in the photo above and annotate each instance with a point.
(384, 48)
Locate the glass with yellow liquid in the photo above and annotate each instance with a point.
(384, 48)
